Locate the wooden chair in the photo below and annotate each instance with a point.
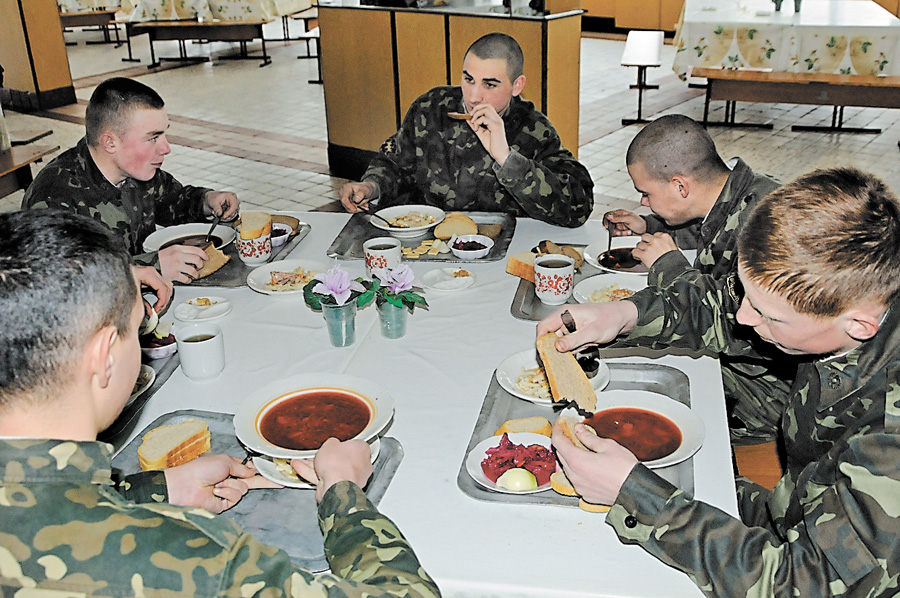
(643, 49)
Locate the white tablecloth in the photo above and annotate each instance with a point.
(856, 37)
(438, 375)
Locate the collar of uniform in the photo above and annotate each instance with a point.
(39, 460)
(96, 178)
(733, 190)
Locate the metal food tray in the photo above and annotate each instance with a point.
(234, 273)
(526, 305)
(500, 406)
(348, 245)
(283, 517)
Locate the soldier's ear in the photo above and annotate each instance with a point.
(682, 186)
(98, 355)
(862, 323)
(109, 142)
(518, 85)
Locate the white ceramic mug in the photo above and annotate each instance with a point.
(254, 251)
(202, 351)
(381, 252)
(554, 278)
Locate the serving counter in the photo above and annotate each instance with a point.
(438, 375)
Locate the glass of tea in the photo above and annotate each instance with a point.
(202, 350)
(554, 278)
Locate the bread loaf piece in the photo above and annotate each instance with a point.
(176, 444)
(216, 259)
(455, 223)
(567, 380)
(561, 484)
(535, 425)
(521, 264)
(255, 225)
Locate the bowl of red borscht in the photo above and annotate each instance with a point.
(291, 418)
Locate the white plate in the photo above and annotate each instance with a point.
(582, 291)
(260, 277)
(159, 238)
(254, 407)
(413, 231)
(511, 368)
(596, 249)
(479, 452)
(268, 470)
(692, 429)
(150, 374)
(190, 311)
(443, 279)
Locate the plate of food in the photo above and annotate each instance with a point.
(522, 376)
(285, 277)
(145, 380)
(189, 234)
(604, 288)
(618, 259)
(413, 220)
(514, 463)
(202, 309)
(281, 472)
(292, 417)
(659, 431)
(448, 279)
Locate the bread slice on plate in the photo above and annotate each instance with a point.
(216, 259)
(535, 425)
(175, 444)
(455, 223)
(568, 382)
(521, 264)
(255, 225)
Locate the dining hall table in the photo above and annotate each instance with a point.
(438, 374)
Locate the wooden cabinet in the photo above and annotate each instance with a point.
(648, 14)
(892, 6)
(600, 8)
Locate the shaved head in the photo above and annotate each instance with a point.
(676, 145)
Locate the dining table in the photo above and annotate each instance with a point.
(438, 374)
(846, 37)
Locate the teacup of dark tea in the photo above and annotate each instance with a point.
(202, 350)
(554, 278)
(381, 252)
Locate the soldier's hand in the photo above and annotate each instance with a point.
(335, 462)
(355, 196)
(626, 223)
(213, 482)
(222, 203)
(489, 127)
(147, 276)
(595, 323)
(651, 247)
(180, 263)
(598, 473)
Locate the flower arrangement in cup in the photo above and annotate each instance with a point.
(395, 286)
(335, 287)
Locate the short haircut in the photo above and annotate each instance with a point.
(675, 145)
(826, 242)
(111, 106)
(500, 45)
(63, 277)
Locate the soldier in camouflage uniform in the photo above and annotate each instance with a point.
(699, 203)
(113, 175)
(506, 158)
(817, 276)
(69, 350)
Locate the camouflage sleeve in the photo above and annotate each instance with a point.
(666, 268)
(552, 186)
(391, 164)
(655, 224)
(843, 544)
(144, 487)
(177, 203)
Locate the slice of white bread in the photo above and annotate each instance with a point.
(561, 484)
(255, 224)
(168, 446)
(567, 380)
(521, 264)
(567, 423)
(216, 260)
(455, 223)
(535, 425)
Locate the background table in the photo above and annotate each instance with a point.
(827, 36)
(438, 374)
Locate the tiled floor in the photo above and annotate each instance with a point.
(261, 131)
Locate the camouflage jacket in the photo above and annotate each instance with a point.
(67, 529)
(439, 161)
(831, 527)
(72, 182)
(755, 389)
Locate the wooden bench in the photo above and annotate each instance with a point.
(214, 31)
(102, 19)
(733, 85)
(643, 49)
(15, 166)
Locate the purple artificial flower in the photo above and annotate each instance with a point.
(338, 284)
(397, 280)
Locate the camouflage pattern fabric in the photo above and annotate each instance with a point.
(65, 530)
(755, 390)
(72, 182)
(830, 527)
(439, 161)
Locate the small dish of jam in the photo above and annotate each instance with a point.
(471, 247)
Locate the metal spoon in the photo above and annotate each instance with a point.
(216, 219)
(389, 224)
